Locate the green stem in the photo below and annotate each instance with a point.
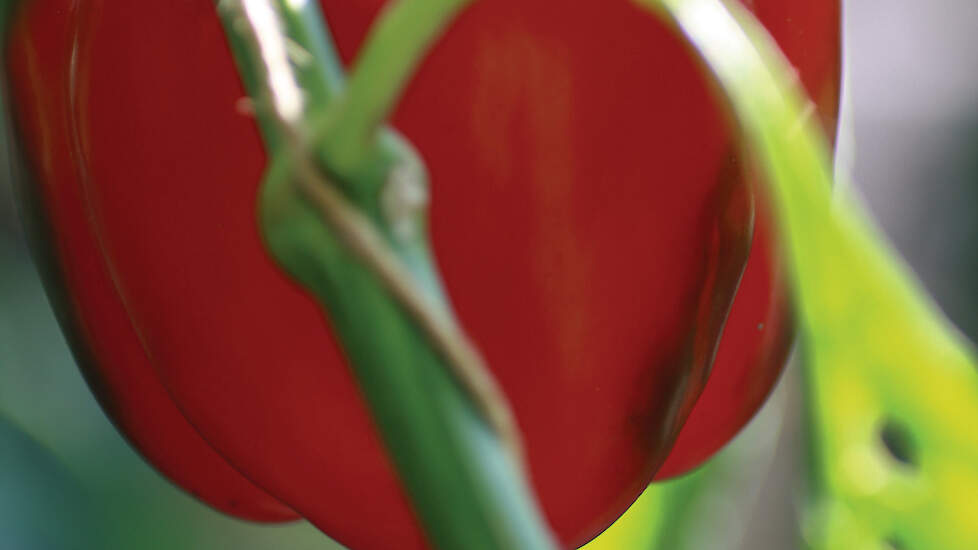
(446, 426)
(397, 42)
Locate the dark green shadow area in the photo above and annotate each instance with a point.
(42, 506)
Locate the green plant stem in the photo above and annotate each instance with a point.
(397, 42)
(446, 426)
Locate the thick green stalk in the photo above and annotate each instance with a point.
(894, 387)
(356, 240)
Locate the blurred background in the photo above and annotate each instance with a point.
(910, 140)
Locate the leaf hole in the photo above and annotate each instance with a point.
(899, 444)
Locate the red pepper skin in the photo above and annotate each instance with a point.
(587, 217)
(79, 285)
(758, 335)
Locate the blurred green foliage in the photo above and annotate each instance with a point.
(893, 387)
(35, 487)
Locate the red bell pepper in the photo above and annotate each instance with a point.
(590, 218)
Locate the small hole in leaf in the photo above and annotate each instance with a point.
(899, 443)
